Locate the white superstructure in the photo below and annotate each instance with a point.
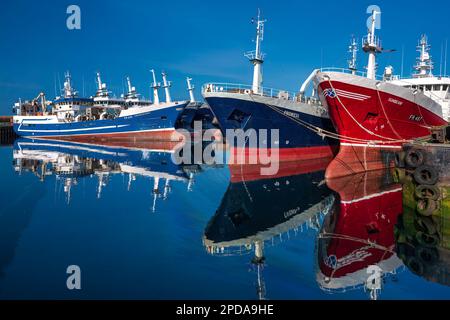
(435, 87)
(102, 97)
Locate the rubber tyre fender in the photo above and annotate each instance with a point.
(427, 255)
(415, 265)
(426, 175)
(426, 207)
(414, 157)
(427, 240)
(424, 191)
(425, 224)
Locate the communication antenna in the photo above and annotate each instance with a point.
(445, 61)
(353, 49)
(403, 61)
(54, 78)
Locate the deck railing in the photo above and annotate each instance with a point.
(263, 91)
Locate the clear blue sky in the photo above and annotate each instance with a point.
(202, 39)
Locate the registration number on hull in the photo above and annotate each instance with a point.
(416, 118)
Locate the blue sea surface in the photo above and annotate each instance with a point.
(194, 239)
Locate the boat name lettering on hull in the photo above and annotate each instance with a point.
(397, 102)
(291, 114)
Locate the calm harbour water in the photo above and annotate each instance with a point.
(211, 232)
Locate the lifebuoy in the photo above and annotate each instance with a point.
(426, 175)
(414, 157)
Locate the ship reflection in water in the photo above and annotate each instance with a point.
(301, 236)
(70, 162)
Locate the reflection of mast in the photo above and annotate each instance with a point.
(131, 177)
(101, 184)
(191, 181)
(258, 261)
(155, 192)
(67, 188)
(166, 189)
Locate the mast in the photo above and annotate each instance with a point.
(68, 90)
(131, 94)
(190, 89)
(424, 66)
(353, 49)
(372, 45)
(101, 87)
(130, 88)
(155, 85)
(257, 57)
(166, 86)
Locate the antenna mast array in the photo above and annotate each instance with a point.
(256, 57)
(353, 49)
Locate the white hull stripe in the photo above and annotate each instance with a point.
(357, 95)
(73, 130)
(370, 145)
(351, 95)
(90, 148)
(103, 133)
(371, 196)
(71, 147)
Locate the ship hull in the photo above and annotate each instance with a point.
(154, 125)
(294, 141)
(373, 120)
(359, 232)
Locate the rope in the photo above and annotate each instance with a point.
(320, 131)
(387, 118)
(325, 133)
(360, 125)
